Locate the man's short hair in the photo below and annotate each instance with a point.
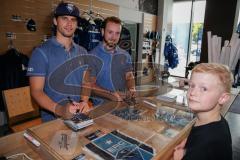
(111, 19)
(222, 71)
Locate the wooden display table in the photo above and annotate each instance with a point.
(149, 130)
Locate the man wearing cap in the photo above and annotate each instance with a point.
(57, 68)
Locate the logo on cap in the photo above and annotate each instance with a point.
(66, 9)
(70, 8)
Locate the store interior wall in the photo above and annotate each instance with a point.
(237, 16)
(130, 4)
(15, 13)
(221, 23)
(219, 18)
(164, 25)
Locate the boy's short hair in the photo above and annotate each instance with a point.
(111, 19)
(220, 70)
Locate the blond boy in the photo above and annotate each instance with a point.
(210, 138)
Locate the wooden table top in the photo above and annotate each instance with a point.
(148, 130)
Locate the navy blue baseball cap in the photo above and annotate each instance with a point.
(67, 9)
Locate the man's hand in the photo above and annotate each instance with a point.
(71, 108)
(132, 93)
(84, 107)
(117, 97)
(66, 111)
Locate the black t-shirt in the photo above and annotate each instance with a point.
(13, 68)
(209, 142)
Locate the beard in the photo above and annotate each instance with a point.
(110, 44)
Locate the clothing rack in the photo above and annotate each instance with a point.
(92, 15)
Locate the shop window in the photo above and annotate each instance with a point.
(187, 29)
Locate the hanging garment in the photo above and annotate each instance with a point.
(88, 34)
(125, 40)
(171, 53)
(13, 68)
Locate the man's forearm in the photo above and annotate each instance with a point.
(130, 81)
(44, 101)
(100, 91)
(86, 87)
(114, 96)
(96, 90)
(85, 92)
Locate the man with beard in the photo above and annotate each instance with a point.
(51, 87)
(111, 71)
